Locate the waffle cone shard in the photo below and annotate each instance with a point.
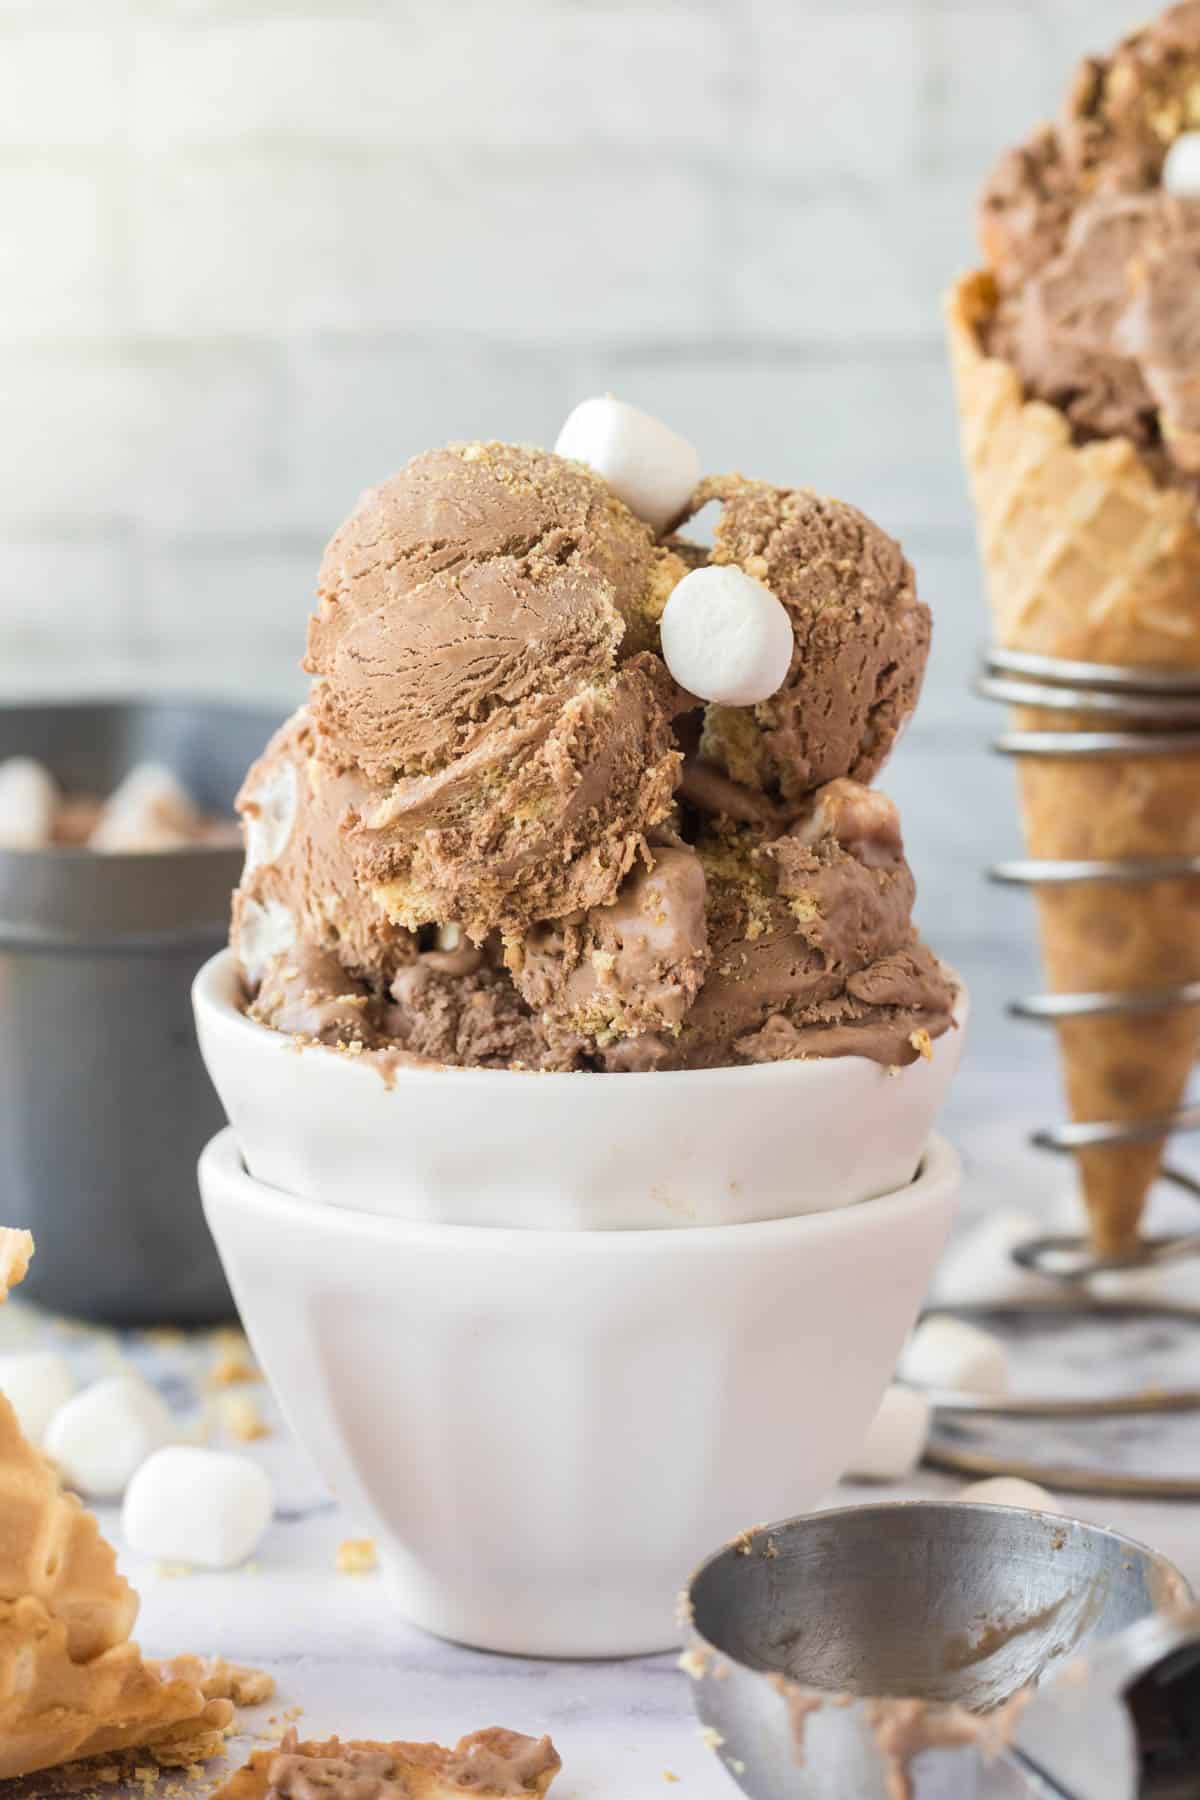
(1087, 559)
(493, 1764)
(71, 1682)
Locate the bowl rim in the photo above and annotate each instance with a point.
(221, 1162)
(213, 1001)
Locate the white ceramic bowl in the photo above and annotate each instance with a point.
(548, 1429)
(571, 1151)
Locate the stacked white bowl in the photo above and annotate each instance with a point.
(558, 1335)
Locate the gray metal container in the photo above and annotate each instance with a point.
(104, 1102)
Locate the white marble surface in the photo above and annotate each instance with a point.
(341, 1654)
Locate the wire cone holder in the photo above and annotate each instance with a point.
(1128, 712)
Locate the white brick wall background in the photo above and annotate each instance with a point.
(255, 253)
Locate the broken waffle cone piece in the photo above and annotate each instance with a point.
(72, 1685)
(1087, 559)
(16, 1248)
(486, 1765)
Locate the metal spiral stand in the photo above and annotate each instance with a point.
(1138, 712)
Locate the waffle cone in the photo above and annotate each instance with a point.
(72, 1685)
(1087, 559)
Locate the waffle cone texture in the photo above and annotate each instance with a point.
(72, 1685)
(1087, 559)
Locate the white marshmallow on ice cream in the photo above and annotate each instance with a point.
(206, 1507)
(725, 637)
(896, 1439)
(260, 934)
(646, 464)
(28, 802)
(944, 1352)
(149, 810)
(1181, 170)
(103, 1435)
(36, 1383)
(1010, 1490)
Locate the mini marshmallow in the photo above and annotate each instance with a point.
(149, 810)
(725, 637)
(28, 802)
(895, 1442)
(945, 1352)
(1010, 1490)
(36, 1383)
(209, 1508)
(978, 1268)
(1181, 170)
(261, 934)
(103, 1435)
(646, 464)
(270, 815)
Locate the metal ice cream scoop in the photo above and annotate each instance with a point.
(942, 1651)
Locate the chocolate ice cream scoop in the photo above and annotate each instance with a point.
(502, 835)
(298, 805)
(477, 662)
(1095, 260)
(480, 588)
(811, 948)
(632, 966)
(861, 639)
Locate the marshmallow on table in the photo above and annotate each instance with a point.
(205, 1507)
(28, 802)
(945, 1352)
(646, 464)
(36, 1383)
(895, 1442)
(1181, 170)
(104, 1434)
(149, 810)
(1010, 1490)
(725, 637)
(978, 1268)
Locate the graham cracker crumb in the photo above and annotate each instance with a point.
(231, 1369)
(242, 1419)
(920, 1042)
(356, 1556)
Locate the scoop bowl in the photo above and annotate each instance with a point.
(566, 1151)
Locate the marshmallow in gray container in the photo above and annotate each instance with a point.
(28, 802)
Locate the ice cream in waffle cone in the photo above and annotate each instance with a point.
(72, 1685)
(488, 1765)
(1076, 359)
(1088, 558)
